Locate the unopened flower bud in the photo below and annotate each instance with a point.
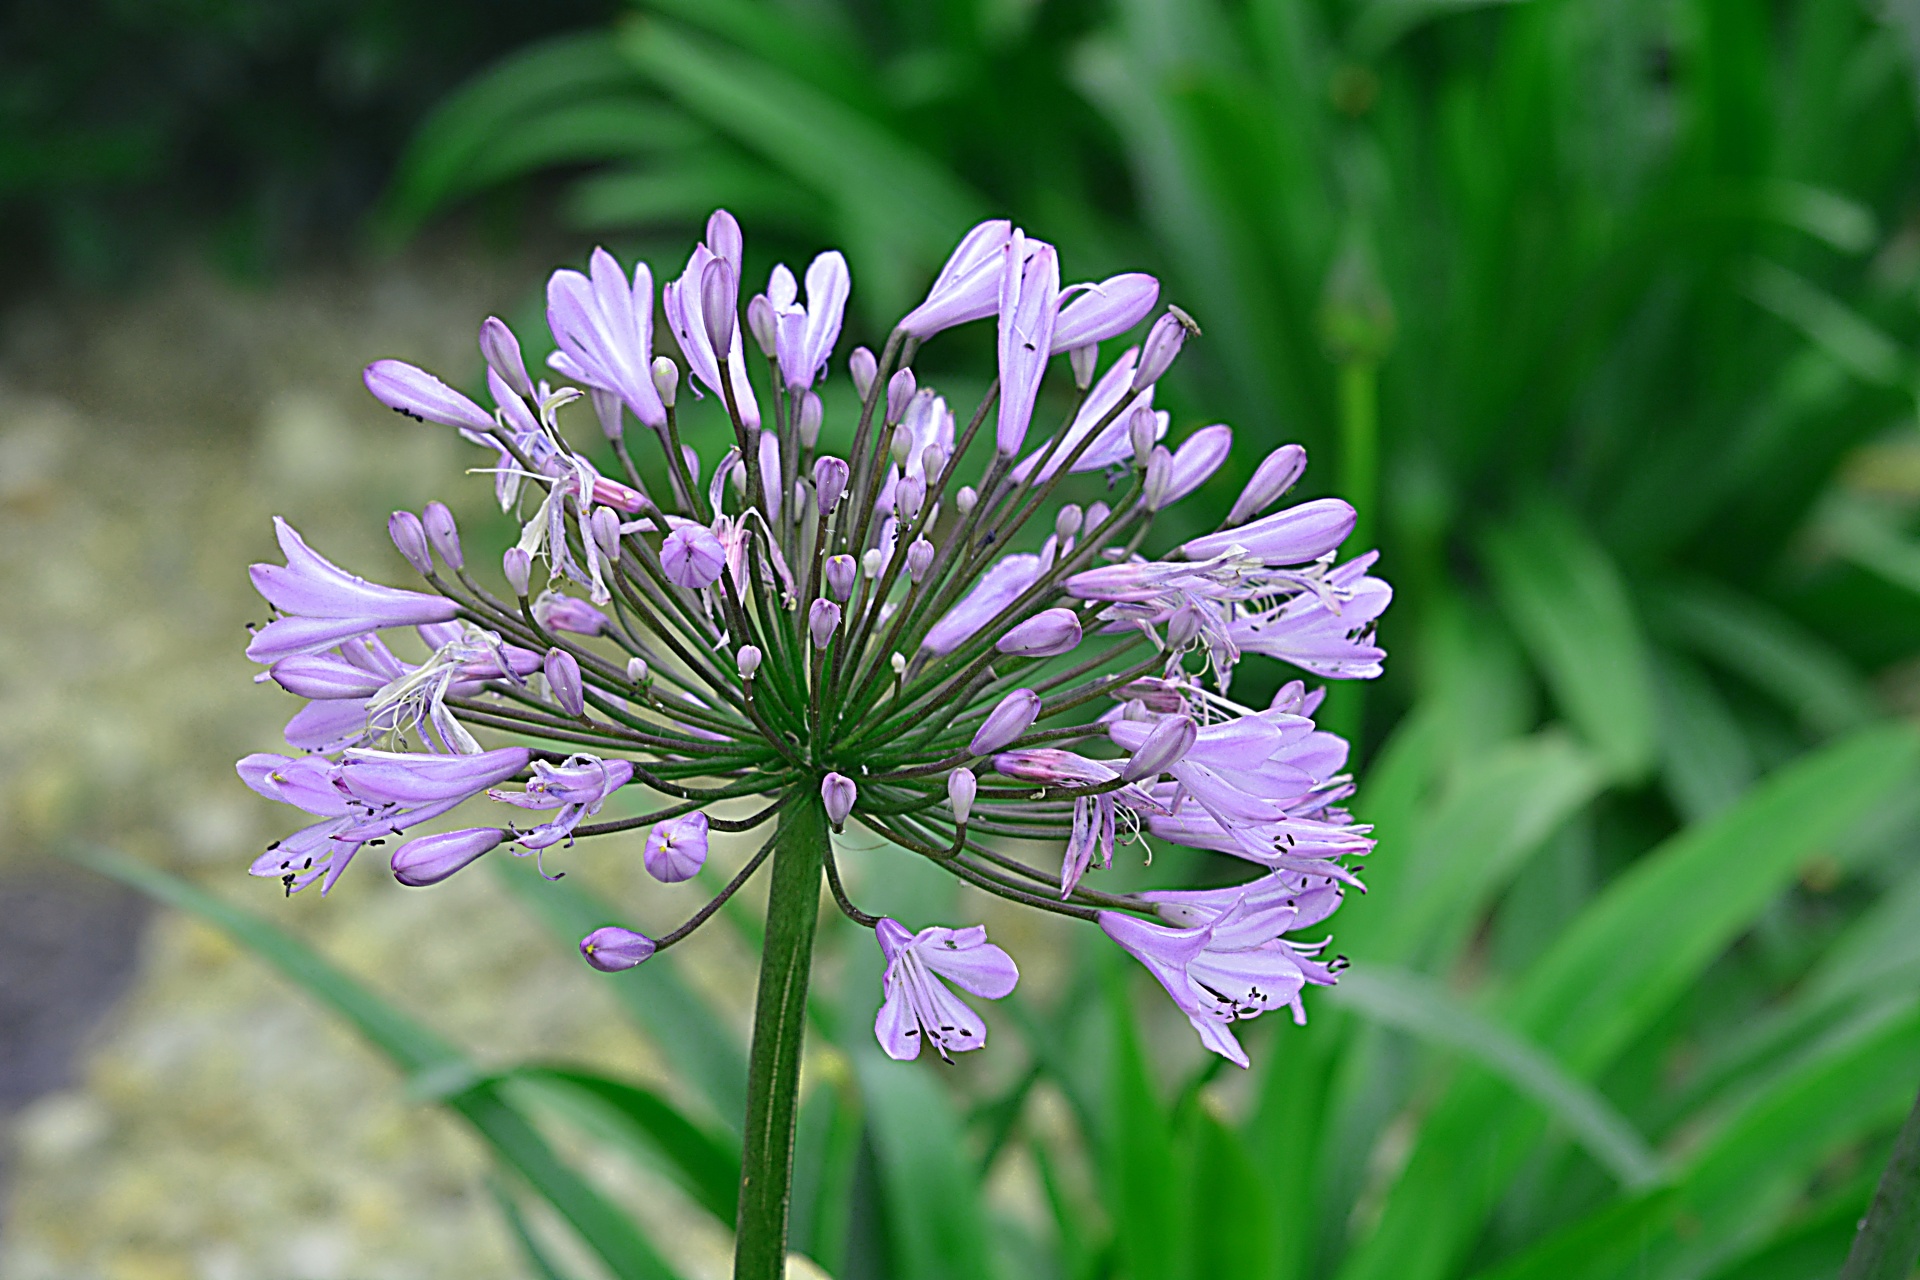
(812, 413)
(677, 848)
(919, 559)
(910, 497)
(1047, 634)
(873, 561)
(1275, 475)
(431, 859)
(1164, 340)
(1013, 716)
(748, 659)
(900, 447)
(1066, 522)
(965, 500)
(760, 323)
(502, 353)
(564, 613)
(933, 462)
(738, 477)
(607, 408)
(1081, 360)
(1183, 627)
(719, 299)
(841, 572)
(443, 533)
(900, 389)
(637, 670)
(1097, 515)
(864, 369)
(830, 477)
(1183, 472)
(962, 786)
(1142, 433)
(823, 619)
(606, 531)
(838, 793)
(517, 566)
(691, 457)
(563, 682)
(1135, 711)
(801, 493)
(899, 664)
(666, 379)
(1165, 746)
(612, 949)
(411, 540)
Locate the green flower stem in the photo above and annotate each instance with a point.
(779, 1029)
(1889, 1236)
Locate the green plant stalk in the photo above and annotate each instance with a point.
(779, 1031)
(1889, 1237)
(1344, 711)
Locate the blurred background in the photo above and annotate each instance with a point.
(1604, 314)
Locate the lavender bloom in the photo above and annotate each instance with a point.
(918, 1006)
(612, 948)
(837, 640)
(1029, 294)
(575, 789)
(838, 793)
(603, 327)
(325, 605)
(1104, 310)
(677, 849)
(967, 288)
(1011, 717)
(1277, 473)
(423, 397)
(431, 859)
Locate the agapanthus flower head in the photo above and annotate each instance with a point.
(955, 631)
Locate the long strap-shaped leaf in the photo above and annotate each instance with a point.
(1418, 1004)
(432, 1064)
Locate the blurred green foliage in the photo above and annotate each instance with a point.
(249, 127)
(1606, 312)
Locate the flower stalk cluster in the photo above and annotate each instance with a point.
(946, 634)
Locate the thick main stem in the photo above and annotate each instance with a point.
(1889, 1236)
(779, 1031)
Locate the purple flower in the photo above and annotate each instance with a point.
(326, 605)
(501, 350)
(840, 573)
(366, 798)
(829, 482)
(804, 336)
(565, 613)
(1164, 340)
(823, 619)
(1234, 967)
(962, 787)
(1164, 746)
(1328, 633)
(612, 948)
(968, 287)
(1192, 466)
(692, 557)
(576, 789)
(1293, 536)
(418, 394)
(1277, 473)
(1047, 634)
(918, 1006)
(838, 793)
(431, 859)
(1114, 445)
(1029, 296)
(1012, 716)
(998, 587)
(563, 681)
(1101, 311)
(677, 848)
(604, 329)
(410, 540)
(684, 302)
(443, 533)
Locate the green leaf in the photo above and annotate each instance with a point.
(1627, 958)
(826, 1155)
(1603, 1246)
(933, 1209)
(1234, 1228)
(1830, 324)
(692, 1035)
(1771, 651)
(1146, 1197)
(543, 1267)
(706, 1163)
(1567, 601)
(1706, 762)
(1417, 1004)
(579, 132)
(417, 1051)
(688, 186)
